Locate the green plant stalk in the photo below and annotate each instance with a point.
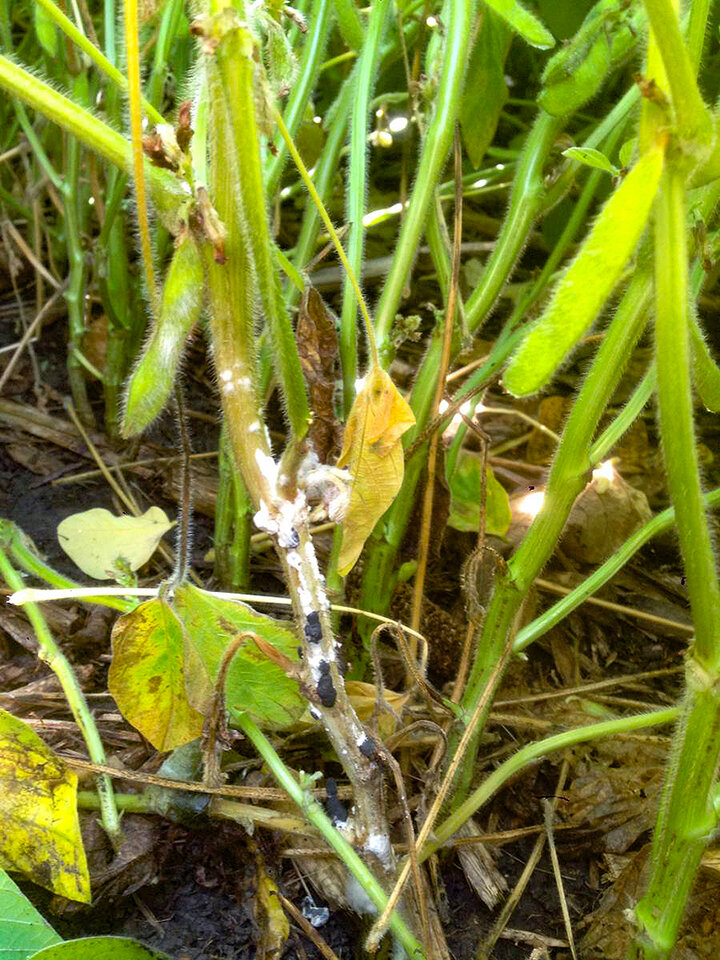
(234, 57)
(168, 194)
(51, 654)
(627, 416)
(536, 751)
(568, 477)
(357, 195)
(526, 201)
(301, 91)
(693, 119)
(604, 573)
(167, 32)
(319, 819)
(696, 31)
(101, 62)
(232, 524)
(22, 553)
(686, 818)
(433, 155)
(323, 177)
(74, 294)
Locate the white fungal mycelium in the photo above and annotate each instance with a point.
(379, 845)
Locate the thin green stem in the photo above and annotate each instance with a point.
(97, 57)
(49, 652)
(308, 70)
(535, 751)
(351, 28)
(433, 155)
(604, 573)
(319, 819)
(357, 198)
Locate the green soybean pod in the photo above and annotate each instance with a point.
(577, 72)
(589, 280)
(152, 380)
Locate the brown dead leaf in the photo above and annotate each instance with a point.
(373, 453)
(318, 349)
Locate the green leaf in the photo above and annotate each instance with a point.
(591, 158)
(465, 498)
(99, 948)
(523, 22)
(254, 683)
(626, 152)
(45, 30)
(102, 544)
(22, 929)
(39, 827)
(147, 676)
(580, 295)
(485, 91)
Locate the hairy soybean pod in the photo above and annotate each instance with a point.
(589, 280)
(576, 73)
(152, 380)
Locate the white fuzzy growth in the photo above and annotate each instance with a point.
(264, 520)
(268, 467)
(293, 559)
(315, 657)
(228, 387)
(254, 427)
(314, 712)
(357, 899)
(379, 845)
(226, 375)
(244, 383)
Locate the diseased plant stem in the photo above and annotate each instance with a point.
(281, 507)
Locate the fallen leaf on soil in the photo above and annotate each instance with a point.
(373, 453)
(101, 544)
(39, 827)
(318, 349)
(147, 676)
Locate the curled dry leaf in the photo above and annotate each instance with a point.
(372, 452)
(318, 349)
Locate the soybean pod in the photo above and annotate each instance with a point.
(151, 383)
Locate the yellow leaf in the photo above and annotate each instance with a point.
(372, 451)
(39, 827)
(100, 543)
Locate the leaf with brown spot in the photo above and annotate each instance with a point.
(318, 350)
(147, 676)
(39, 827)
(373, 453)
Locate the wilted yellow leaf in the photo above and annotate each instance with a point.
(373, 454)
(101, 544)
(39, 827)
